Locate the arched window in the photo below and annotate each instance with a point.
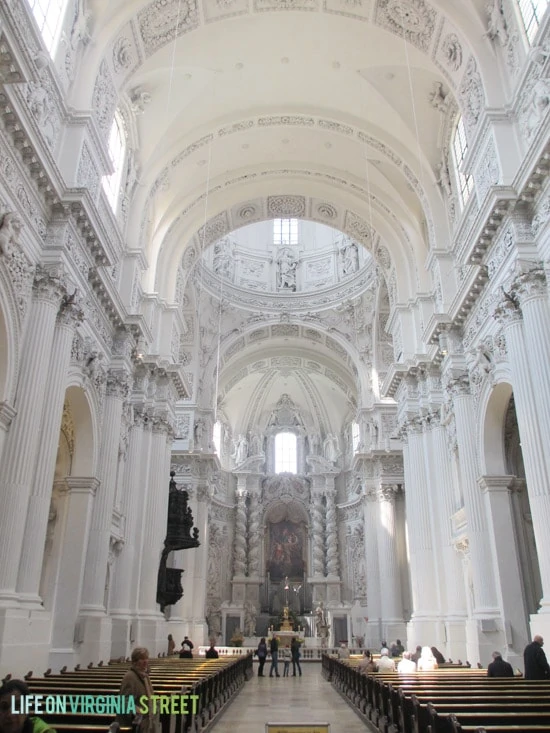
(285, 231)
(117, 151)
(285, 453)
(465, 183)
(49, 16)
(532, 12)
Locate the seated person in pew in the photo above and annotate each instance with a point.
(15, 722)
(499, 668)
(385, 664)
(212, 653)
(136, 683)
(367, 664)
(406, 665)
(186, 651)
(439, 658)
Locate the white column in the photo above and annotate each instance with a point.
(7, 413)
(127, 567)
(452, 589)
(254, 536)
(532, 442)
(532, 291)
(23, 440)
(197, 585)
(390, 590)
(485, 600)
(374, 615)
(156, 525)
(317, 534)
(76, 518)
(498, 495)
(423, 587)
(97, 628)
(239, 545)
(30, 566)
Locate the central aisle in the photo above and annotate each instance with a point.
(306, 699)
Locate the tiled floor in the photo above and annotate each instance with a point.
(306, 699)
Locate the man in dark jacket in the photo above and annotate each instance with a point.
(274, 651)
(499, 668)
(534, 659)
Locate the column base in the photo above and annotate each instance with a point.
(455, 646)
(425, 631)
(483, 637)
(374, 635)
(395, 629)
(152, 633)
(59, 658)
(122, 632)
(94, 639)
(25, 641)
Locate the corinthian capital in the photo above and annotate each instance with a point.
(118, 384)
(49, 284)
(508, 311)
(459, 386)
(531, 284)
(70, 311)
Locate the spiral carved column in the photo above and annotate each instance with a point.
(318, 552)
(254, 536)
(239, 546)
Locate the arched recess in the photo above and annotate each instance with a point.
(74, 472)
(501, 456)
(9, 339)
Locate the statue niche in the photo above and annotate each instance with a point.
(178, 537)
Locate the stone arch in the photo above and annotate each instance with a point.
(491, 429)
(9, 339)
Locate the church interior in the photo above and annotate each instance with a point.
(274, 325)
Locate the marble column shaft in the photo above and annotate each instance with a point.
(483, 575)
(333, 565)
(371, 555)
(30, 566)
(317, 537)
(390, 590)
(156, 510)
(453, 595)
(239, 548)
(77, 514)
(100, 531)
(23, 440)
(198, 586)
(421, 548)
(532, 444)
(127, 567)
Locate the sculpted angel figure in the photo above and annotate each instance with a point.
(9, 233)
(496, 24)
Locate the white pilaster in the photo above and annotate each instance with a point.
(75, 519)
(127, 567)
(23, 440)
(96, 625)
(374, 613)
(390, 590)
(30, 566)
(532, 443)
(497, 491)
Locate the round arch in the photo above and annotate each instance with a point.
(492, 421)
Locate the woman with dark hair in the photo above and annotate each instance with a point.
(14, 722)
(439, 658)
(261, 653)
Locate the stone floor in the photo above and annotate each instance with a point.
(306, 699)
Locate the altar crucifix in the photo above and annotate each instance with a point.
(287, 588)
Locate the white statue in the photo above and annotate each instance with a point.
(241, 450)
(496, 24)
(332, 448)
(287, 271)
(9, 233)
(320, 619)
(250, 614)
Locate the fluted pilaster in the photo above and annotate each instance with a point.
(390, 590)
(30, 567)
(532, 443)
(485, 598)
(371, 565)
(239, 547)
(23, 440)
(419, 526)
(100, 533)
